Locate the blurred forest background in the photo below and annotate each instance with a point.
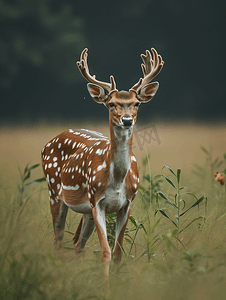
(41, 40)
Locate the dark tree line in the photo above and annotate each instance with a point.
(40, 42)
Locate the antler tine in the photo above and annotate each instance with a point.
(150, 68)
(83, 67)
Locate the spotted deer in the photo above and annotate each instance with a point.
(95, 175)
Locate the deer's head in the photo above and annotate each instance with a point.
(122, 105)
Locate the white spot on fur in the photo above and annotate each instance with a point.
(68, 187)
(101, 166)
(99, 151)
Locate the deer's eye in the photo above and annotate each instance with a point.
(137, 104)
(111, 105)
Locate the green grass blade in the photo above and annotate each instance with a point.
(170, 182)
(178, 175)
(36, 181)
(198, 218)
(33, 167)
(167, 200)
(165, 215)
(170, 170)
(193, 205)
(26, 177)
(204, 150)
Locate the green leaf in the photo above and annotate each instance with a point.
(141, 188)
(132, 219)
(146, 159)
(33, 167)
(191, 194)
(21, 175)
(72, 233)
(21, 189)
(170, 182)
(147, 177)
(198, 218)
(175, 232)
(155, 225)
(182, 200)
(36, 181)
(178, 175)
(193, 205)
(51, 257)
(199, 168)
(142, 226)
(167, 200)
(27, 176)
(165, 215)
(170, 170)
(219, 164)
(138, 227)
(162, 195)
(204, 150)
(26, 169)
(182, 188)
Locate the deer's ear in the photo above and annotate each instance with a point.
(148, 92)
(97, 93)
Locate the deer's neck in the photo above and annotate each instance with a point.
(120, 152)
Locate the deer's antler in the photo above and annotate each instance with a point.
(83, 67)
(150, 67)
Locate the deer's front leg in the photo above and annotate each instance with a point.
(99, 221)
(122, 219)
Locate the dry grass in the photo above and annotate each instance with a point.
(30, 269)
(179, 144)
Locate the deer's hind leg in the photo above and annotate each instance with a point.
(85, 229)
(59, 213)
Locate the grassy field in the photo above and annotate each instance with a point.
(162, 260)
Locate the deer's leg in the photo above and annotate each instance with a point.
(77, 233)
(121, 222)
(83, 232)
(99, 220)
(59, 214)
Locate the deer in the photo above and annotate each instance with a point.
(95, 175)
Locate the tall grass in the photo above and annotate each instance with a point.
(174, 247)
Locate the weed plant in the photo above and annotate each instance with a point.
(174, 246)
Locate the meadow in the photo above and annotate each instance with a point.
(175, 242)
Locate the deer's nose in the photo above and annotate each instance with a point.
(127, 121)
